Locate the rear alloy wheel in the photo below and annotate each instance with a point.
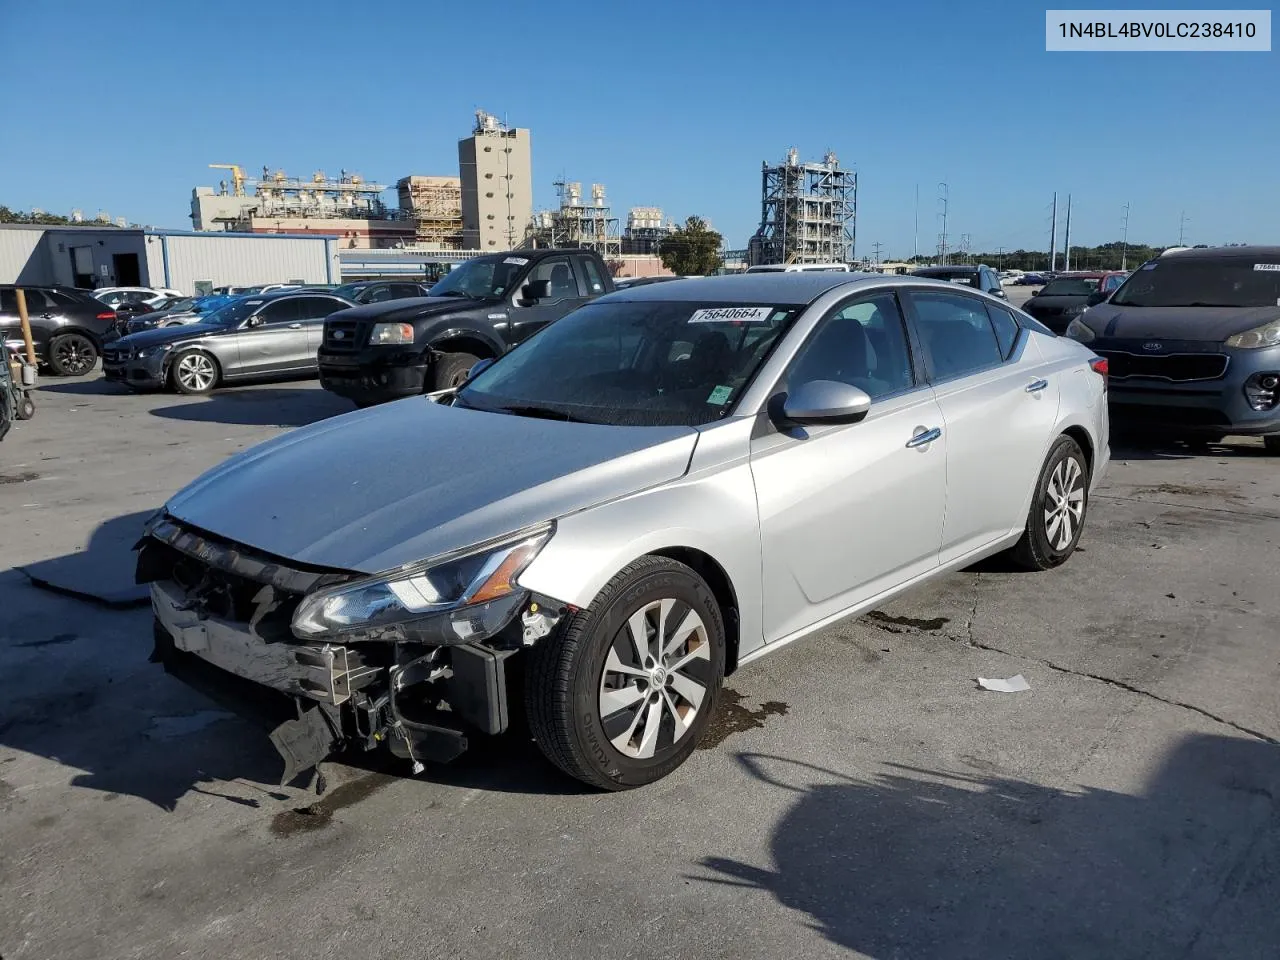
(620, 695)
(193, 373)
(451, 370)
(1058, 509)
(72, 355)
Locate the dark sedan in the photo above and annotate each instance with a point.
(1065, 297)
(67, 324)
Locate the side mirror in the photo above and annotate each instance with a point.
(536, 290)
(255, 322)
(825, 401)
(1097, 297)
(479, 366)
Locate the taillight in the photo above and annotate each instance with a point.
(107, 316)
(1100, 366)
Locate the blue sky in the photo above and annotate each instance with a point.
(121, 106)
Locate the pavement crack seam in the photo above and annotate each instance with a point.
(1120, 684)
(1251, 514)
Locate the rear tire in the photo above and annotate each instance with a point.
(451, 369)
(72, 355)
(1058, 508)
(194, 373)
(620, 694)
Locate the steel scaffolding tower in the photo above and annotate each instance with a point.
(808, 212)
(591, 226)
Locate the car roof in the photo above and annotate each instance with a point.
(766, 288)
(948, 267)
(286, 294)
(1219, 253)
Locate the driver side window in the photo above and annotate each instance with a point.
(560, 273)
(863, 344)
(282, 311)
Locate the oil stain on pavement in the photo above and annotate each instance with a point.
(910, 623)
(732, 717)
(318, 815)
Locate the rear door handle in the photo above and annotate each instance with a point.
(1035, 386)
(295, 326)
(920, 439)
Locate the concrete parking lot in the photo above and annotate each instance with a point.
(859, 795)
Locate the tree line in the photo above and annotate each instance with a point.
(1115, 255)
(46, 219)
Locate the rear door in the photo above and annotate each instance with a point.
(528, 318)
(311, 312)
(998, 404)
(277, 342)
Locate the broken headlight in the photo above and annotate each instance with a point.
(456, 598)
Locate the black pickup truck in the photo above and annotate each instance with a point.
(479, 310)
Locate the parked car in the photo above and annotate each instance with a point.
(1032, 279)
(979, 277)
(1193, 340)
(1068, 295)
(266, 335)
(659, 488)
(479, 310)
(799, 268)
(67, 325)
(177, 313)
(376, 291)
(115, 297)
(626, 283)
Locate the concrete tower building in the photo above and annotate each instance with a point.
(497, 185)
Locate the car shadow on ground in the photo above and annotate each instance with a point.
(83, 387)
(921, 864)
(259, 407)
(102, 572)
(1126, 447)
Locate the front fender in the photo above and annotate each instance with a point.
(445, 330)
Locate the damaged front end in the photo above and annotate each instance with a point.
(413, 660)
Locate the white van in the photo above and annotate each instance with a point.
(799, 267)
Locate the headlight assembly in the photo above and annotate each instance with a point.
(1079, 331)
(1267, 335)
(451, 599)
(152, 351)
(392, 333)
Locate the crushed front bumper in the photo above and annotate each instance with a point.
(222, 616)
(121, 366)
(374, 376)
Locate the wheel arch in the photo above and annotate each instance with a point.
(94, 338)
(1082, 438)
(463, 340)
(722, 589)
(180, 348)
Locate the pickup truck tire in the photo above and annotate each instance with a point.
(621, 693)
(72, 355)
(450, 369)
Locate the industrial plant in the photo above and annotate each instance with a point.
(808, 212)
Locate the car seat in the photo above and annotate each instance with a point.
(561, 281)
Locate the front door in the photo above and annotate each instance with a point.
(276, 342)
(999, 404)
(848, 511)
(528, 318)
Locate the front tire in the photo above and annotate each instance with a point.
(619, 696)
(72, 355)
(194, 373)
(451, 369)
(1058, 509)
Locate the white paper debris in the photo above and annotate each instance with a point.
(1012, 685)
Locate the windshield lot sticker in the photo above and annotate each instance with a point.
(731, 315)
(720, 395)
(1267, 266)
(518, 261)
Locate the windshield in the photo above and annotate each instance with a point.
(1070, 287)
(233, 314)
(1202, 283)
(484, 277)
(349, 290)
(635, 364)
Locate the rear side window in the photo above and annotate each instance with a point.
(1006, 328)
(594, 283)
(37, 302)
(957, 333)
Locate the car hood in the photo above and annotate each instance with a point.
(408, 308)
(1213, 324)
(378, 488)
(159, 335)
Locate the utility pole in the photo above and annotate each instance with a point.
(915, 233)
(945, 200)
(877, 245)
(1066, 242)
(999, 258)
(1124, 238)
(1053, 236)
(1182, 228)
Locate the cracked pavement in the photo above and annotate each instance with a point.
(860, 795)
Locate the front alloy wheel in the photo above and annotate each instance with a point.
(194, 373)
(621, 693)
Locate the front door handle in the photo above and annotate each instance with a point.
(295, 326)
(928, 436)
(1035, 386)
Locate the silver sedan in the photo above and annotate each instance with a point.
(662, 487)
(268, 335)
